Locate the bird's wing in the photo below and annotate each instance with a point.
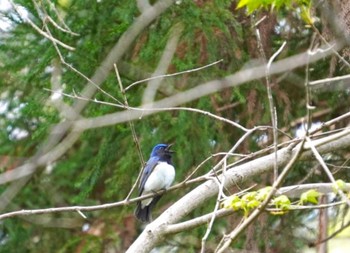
(150, 165)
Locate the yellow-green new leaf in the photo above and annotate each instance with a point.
(249, 196)
(262, 193)
(339, 185)
(230, 201)
(253, 204)
(282, 202)
(310, 196)
(242, 3)
(252, 5)
(239, 205)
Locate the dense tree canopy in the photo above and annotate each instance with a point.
(73, 134)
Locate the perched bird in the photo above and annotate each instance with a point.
(158, 174)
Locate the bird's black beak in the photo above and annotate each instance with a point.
(168, 148)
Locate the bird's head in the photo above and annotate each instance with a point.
(162, 150)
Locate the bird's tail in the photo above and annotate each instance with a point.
(143, 214)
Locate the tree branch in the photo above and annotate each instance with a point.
(201, 194)
(205, 89)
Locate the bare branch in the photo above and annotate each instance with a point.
(133, 132)
(54, 147)
(236, 79)
(174, 74)
(233, 235)
(122, 46)
(48, 18)
(143, 5)
(204, 219)
(327, 171)
(60, 18)
(163, 65)
(48, 157)
(154, 110)
(200, 195)
(41, 32)
(272, 107)
(331, 79)
(217, 205)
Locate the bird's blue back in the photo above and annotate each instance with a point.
(151, 163)
(158, 174)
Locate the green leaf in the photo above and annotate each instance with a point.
(242, 3)
(249, 196)
(310, 196)
(231, 202)
(262, 193)
(239, 205)
(253, 204)
(282, 202)
(339, 185)
(306, 15)
(252, 5)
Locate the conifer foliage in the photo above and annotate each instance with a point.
(75, 134)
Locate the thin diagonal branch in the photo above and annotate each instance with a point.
(133, 132)
(234, 234)
(327, 171)
(41, 32)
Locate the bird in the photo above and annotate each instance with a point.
(158, 174)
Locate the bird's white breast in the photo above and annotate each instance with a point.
(161, 177)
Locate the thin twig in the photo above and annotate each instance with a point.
(78, 209)
(217, 205)
(133, 132)
(331, 47)
(335, 233)
(272, 108)
(229, 238)
(48, 18)
(41, 32)
(60, 18)
(219, 164)
(69, 65)
(75, 96)
(331, 79)
(174, 74)
(327, 171)
(207, 159)
(308, 106)
(204, 219)
(221, 183)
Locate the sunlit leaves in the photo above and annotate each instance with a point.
(311, 196)
(282, 202)
(237, 203)
(303, 5)
(339, 185)
(227, 203)
(278, 205)
(247, 201)
(263, 192)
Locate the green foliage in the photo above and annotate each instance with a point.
(104, 163)
(340, 185)
(254, 5)
(282, 202)
(251, 200)
(310, 196)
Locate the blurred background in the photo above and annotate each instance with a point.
(48, 48)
